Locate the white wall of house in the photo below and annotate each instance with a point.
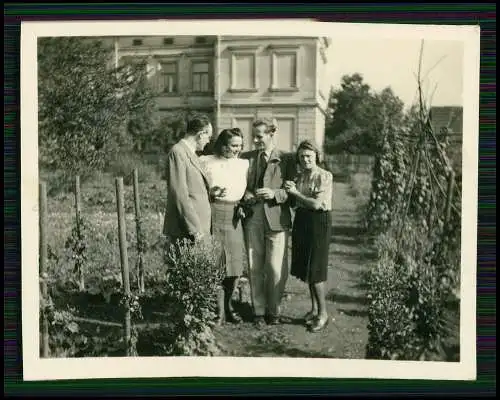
(256, 77)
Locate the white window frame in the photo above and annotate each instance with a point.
(177, 75)
(250, 51)
(277, 50)
(201, 60)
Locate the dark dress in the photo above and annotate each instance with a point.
(312, 228)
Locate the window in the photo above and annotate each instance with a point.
(167, 41)
(168, 77)
(137, 42)
(200, 76)
(200, 40)
(243, 69)
(285, 68)
(285, 137)
(285, 71)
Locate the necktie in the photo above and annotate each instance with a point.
(262, 169)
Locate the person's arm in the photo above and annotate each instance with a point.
(249, 194)
(281, 195)
(321, 198)
(178, 193)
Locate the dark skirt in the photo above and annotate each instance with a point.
(230, 234)
(310, 244)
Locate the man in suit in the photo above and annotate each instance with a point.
(188, 213)
(266, 229)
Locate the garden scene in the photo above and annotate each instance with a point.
(110, 286)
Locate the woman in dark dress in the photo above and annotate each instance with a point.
(311, 194)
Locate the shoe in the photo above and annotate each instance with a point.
(309, 318)
(273, 320)
(318, 325)
(259, 322)
(232, 317)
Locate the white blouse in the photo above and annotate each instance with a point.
(228, 173)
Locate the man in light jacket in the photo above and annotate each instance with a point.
(267, 227)
(188, 213)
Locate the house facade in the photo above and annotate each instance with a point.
(237, 79)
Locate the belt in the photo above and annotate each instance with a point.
(229, 202)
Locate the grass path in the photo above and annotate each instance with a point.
(347, 334)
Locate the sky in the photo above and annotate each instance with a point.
(395, 62)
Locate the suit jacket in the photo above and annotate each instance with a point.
(188, 206)
(281, 167)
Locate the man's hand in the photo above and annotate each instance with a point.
(248, 196)
(265, 193)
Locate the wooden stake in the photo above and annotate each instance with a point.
(140, 244)
(449, 196)
(42, 202)
(78, 208)
(120, 205)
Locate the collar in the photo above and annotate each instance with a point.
(189, 145)
(272, 154)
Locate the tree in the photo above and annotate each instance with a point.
(357, 116)
(85, 104)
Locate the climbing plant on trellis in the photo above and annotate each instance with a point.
(414, 215)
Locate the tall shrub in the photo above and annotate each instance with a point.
(84, 102)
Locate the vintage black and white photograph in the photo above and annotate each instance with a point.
(296, 196)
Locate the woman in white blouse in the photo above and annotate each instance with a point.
(229, 173)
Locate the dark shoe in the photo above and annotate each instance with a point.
(273, 320)
(259, 322)
(232, 317)
(309, 318)
(318, 325)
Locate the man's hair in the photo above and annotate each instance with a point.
(196, 123)
(271, 125)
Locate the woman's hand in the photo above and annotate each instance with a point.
(240, 213)
(217, 192)
(290, 187)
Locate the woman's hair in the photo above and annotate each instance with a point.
(223, 139)
(308, 145)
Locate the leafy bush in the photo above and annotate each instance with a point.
(180, 284)
(408, 296)
(194, 276)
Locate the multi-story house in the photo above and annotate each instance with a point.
(238, 79)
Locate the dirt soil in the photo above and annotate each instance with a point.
(347, 334)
